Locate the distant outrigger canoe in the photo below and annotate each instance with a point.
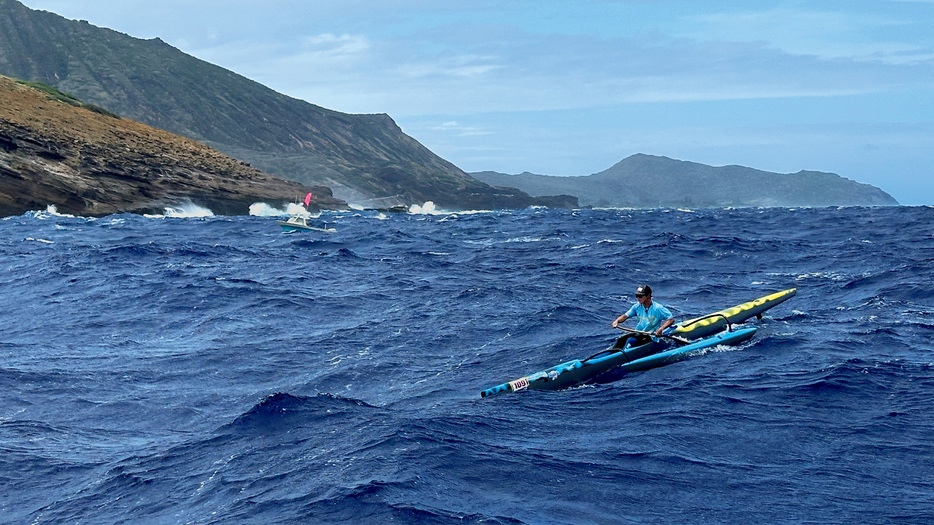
(299, 221)
(611, 364)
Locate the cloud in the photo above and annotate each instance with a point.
(452, 127)
(419, 58)
(331, 47)
(826, 34)
(457, 66)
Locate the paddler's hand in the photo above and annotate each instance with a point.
(659, 332)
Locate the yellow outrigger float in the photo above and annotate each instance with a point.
(718, 321)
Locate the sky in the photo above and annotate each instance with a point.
(573, 87)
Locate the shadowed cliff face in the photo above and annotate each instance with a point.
(365, 156)
(92, 164)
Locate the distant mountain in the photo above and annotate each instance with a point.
(646, 181)
(362, 157)
(91, 163)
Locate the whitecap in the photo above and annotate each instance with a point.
(184, 211)
(50, 211)
(425, 209)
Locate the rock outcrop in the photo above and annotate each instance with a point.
(93, 164)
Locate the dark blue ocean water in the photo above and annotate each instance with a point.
(216, 370)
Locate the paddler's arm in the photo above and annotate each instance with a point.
(618, 320)
(668, 322)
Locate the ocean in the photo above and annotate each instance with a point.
(208, 370)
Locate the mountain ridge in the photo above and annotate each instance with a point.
(642, 180)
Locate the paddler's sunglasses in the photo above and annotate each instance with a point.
(640, 295)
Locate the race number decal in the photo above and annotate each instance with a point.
(519, 384)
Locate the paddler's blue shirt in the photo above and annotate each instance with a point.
(650, 320)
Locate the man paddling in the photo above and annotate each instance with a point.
(653, 317)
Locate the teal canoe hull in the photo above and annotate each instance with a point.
(617, 362)
(677, 354)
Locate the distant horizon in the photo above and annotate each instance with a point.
(541, 87)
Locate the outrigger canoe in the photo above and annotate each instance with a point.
(687, 338)
(299, 223)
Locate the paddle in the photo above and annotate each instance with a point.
(653, 334)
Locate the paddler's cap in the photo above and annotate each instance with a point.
(643, 289)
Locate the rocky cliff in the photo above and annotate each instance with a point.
(88, 162)
(366, 158)
(646, 181)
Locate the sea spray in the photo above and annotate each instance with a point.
(261, 209)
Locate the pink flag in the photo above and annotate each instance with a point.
(307, 199)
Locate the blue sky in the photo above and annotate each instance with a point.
(571, 88)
